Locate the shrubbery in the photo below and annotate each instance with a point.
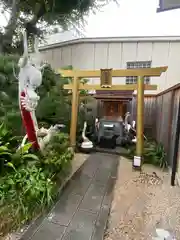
(28, 181)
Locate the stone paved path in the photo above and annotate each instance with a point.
(82, 210)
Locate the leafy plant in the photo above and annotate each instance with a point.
(24, 192)
(29, 183)
(11, 153)
(7, 138)
(57, 157)
(154, 153)
(22, 156)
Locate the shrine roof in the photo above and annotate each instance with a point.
(115, 92)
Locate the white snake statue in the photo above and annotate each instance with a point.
(86, 144)
(30, 77)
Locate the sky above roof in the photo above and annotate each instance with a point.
(133, 18)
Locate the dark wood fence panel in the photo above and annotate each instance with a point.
(170, 151)
(165, 120)
(149, 110)
(100, 108)
(160, 115)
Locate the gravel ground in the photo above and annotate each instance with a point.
(142, 203)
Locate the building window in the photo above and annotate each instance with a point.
(141, 64)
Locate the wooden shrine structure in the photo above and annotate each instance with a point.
(105, 76)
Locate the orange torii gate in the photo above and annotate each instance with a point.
(106, 84)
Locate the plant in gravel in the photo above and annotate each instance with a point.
(154, 153)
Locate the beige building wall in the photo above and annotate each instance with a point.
(116, 52)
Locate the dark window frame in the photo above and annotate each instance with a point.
(138, 64)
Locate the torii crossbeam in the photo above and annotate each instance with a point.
(106, 84)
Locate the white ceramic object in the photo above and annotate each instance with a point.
(163, 235)
(86, 144)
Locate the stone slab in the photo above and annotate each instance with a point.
(49, 231)
(81, 227)
(65, 209)
(93, 199)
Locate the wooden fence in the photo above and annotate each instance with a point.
(160, 117)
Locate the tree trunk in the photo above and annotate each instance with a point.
(30, 26)
(7, 38)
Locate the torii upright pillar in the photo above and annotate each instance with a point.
(140, 123)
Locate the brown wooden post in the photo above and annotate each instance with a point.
(74, 111)
(140, 123)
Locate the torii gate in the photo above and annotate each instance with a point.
(106, 84)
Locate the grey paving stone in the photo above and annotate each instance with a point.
(49, 231)
(78, 185)
(90, 168)
(81, 227)
(65, 209)
(102, 175)
(114, 168)
(109, 192)
(93, 198)
(101, 222)
(33, 228)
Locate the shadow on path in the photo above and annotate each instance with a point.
(82, 210)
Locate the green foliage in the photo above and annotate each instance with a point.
(154, 153)
(24, 193)
(21, 157)
(55, 102)
(57, 156)
(7, 138)
(9, 111)
(54, 107)
(28, 181)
